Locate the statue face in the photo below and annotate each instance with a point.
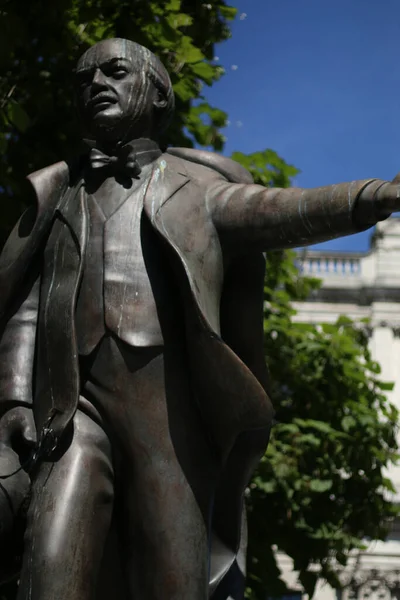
(113, 89)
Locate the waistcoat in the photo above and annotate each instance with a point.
(115, 291)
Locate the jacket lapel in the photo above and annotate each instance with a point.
(58, 383)
(182, 220)
(73, 213)
(49, 186)
(164, 182)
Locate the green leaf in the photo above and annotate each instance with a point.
(173, 5)
(348, 423)
(176, 20)
(184, 89)
(228, 12)
(188, 53)
(320, 485)
(17, 116)
(266, 486)
(205, 71)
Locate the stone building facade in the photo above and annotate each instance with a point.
(362, 285)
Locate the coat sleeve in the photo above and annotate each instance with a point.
(253, 217)
(17, 347)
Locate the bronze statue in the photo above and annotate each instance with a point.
(131, 331)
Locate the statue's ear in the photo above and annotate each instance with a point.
(160, 100)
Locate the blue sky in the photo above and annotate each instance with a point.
(319, 82)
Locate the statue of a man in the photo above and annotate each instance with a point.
(131, 307)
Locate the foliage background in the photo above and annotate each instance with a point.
(321, 488)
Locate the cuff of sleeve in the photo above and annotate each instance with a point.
(367, 210)
(6, 405)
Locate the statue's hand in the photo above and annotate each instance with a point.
(17, 429)
(17, 437)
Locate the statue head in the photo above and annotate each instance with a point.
(124, 92)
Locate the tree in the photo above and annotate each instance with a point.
(335, 431)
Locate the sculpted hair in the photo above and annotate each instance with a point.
(158, 75)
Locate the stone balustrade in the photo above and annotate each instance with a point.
(328, 265)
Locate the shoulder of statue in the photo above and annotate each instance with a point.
(228, 168)
(59, 173)
(50, 183)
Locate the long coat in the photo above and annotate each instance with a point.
(215, 224)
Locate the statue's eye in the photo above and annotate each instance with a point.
(119, 73)
(84, 79)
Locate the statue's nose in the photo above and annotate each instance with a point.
(99, 79)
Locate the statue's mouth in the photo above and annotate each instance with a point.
(101, 102)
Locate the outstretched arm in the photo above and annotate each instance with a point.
(270, 218)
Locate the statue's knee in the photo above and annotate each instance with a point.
(90, 436)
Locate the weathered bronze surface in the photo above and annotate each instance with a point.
(131, 342)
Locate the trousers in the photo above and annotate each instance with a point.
(137, 462)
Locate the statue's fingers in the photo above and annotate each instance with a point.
(17, 423)
(29, 431)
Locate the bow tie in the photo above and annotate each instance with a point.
(123, 161)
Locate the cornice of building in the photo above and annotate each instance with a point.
(373, 275)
